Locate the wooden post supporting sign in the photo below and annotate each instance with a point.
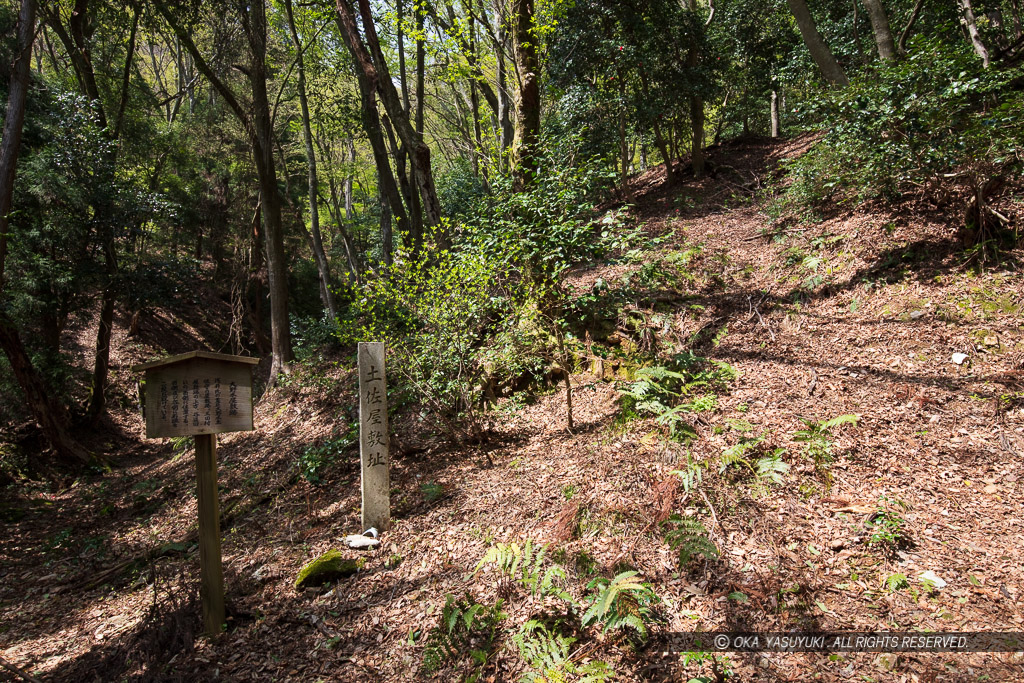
(212, 590)
(201, 394)
(373, 437)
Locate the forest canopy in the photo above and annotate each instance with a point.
(425, 172)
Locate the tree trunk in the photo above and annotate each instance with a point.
(346, 239)
(474, 101)
(969, 22)
(370, 61)
(322, 266)
(259, 128)
(101, 359)
(386, 234)
(421, 73)
(1015, 8)
(366, 75)
(880, 26)
(696, 111)
(822, 55)
(14, 122)
(50, 416)
(775, 113)
(504, 117)
(527, 128)
(347, 183)
(901, 46)
(277, 265)
(76, 40)
(623, 146)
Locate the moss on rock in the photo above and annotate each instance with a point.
(330, 566)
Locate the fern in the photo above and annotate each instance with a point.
(692, 476)
(768, 468)
(689, 538)
(817, 440)
(526, 567)
(547, 653)
(734, 455)
(659, 390)
(621, 602)
(771, 468)
(466, 628)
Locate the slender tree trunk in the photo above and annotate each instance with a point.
(1015, 8)
(775, 113)
(277, 264)
(259, 127)
(370, 60)
(504, 117)
(76, 40)
(474, 101)
(407, 180)
(104, 333)
(623, 146)
(721, 117)
(421, 73)
(49, 415)
(353, 267)
(880, 25)
(696, 111)
(819, 50)
(901, 46)
(856, 31)
(366, 75)
(349, 176)
(14, 122)
(386, 234)
(527, 129)
(319, 254)
(969, 22)
(659, 139)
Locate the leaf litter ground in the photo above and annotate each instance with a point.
(857, 313)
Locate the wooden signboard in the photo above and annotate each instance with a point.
(201, 394)
(373, 437)
(198, 393)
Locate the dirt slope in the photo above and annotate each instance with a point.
(859, 313)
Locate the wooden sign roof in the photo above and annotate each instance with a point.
(208, 355)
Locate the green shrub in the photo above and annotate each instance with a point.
(899, 128)
(474, 302)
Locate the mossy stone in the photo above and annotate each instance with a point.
(330, 566)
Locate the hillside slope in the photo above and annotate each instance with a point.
(859, 313)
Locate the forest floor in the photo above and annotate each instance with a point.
(859, 312)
